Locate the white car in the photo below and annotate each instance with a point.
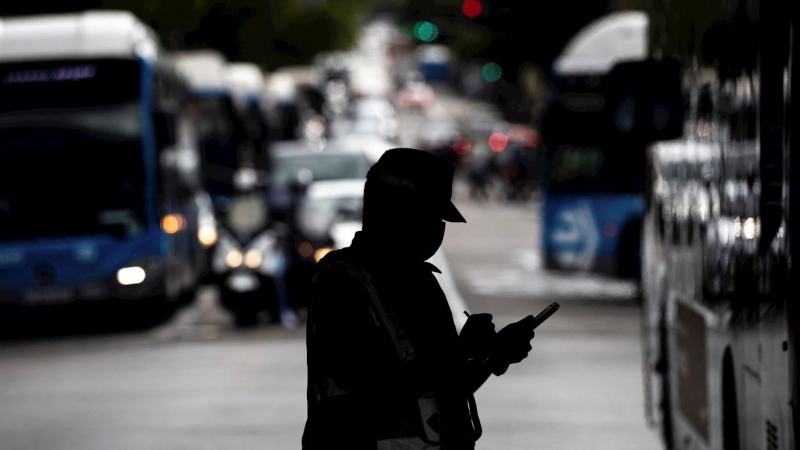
(336, 181)
(375, 116)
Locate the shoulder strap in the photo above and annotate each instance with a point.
(401, 342)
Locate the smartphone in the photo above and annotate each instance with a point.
(545, 314)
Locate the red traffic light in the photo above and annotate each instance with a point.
(472, 8)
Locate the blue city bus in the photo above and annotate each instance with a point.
(98, 183)
(594, 171)
(219, 127)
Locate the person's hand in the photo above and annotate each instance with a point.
(477, 335)
(513, 343)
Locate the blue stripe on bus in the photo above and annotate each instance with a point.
(569, 221)
(67, 259)
(148, 143)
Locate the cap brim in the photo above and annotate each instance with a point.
(451, 213)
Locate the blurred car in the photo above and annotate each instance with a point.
(516, 147)
(383, 126)
(416, 95)
(372, 146)
(322, 193)
(445, 139)
(374, 116)
(374, 106)
(483, 120)
(370, 80)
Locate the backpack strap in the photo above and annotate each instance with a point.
(385, 315)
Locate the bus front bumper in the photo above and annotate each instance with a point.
(124, 286)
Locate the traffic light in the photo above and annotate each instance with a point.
(491, 72)
(426, 31)
(472, 8)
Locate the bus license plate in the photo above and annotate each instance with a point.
(49, 296)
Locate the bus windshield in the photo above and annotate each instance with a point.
(595, 169)
(585, 153)
(71, 159)
(222, 133)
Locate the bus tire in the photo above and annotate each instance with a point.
(242, 306)
(245, 319)
(665, 406)
(730, 407)
(629, 254)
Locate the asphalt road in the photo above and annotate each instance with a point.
(197, 383)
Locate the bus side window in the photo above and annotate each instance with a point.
(165, 129)
(166, 110)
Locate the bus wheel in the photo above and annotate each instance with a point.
(666, 400)
(245, 319)
(629, 254)
(730, 408)
(242, 306)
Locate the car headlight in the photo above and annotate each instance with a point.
(264, 253)
(233, 258)
(226, 254)
(207, 235)
(253, 258)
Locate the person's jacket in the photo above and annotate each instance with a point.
(350, 352)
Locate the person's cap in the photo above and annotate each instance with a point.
(423, 174)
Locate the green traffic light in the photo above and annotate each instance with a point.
(491, 72)
(426, 31)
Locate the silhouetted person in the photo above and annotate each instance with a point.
(387, 368)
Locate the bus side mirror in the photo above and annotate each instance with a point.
(645, 99)
(165, 124)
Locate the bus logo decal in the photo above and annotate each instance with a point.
(576, 237)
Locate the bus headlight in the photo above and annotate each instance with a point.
(252, 258)
(207, 235)
(233, 258)
(130, 275)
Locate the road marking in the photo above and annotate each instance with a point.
(524, 277)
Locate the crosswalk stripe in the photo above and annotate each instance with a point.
(525, 277)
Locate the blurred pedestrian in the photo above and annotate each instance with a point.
(483, 171)
(387, 368)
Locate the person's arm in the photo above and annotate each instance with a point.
(476, 342)
(476, 372)
(490, 353)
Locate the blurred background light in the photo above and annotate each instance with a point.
(130, 275)
(498, 142)
(426, 31)
(491, 72)
(472, 8)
